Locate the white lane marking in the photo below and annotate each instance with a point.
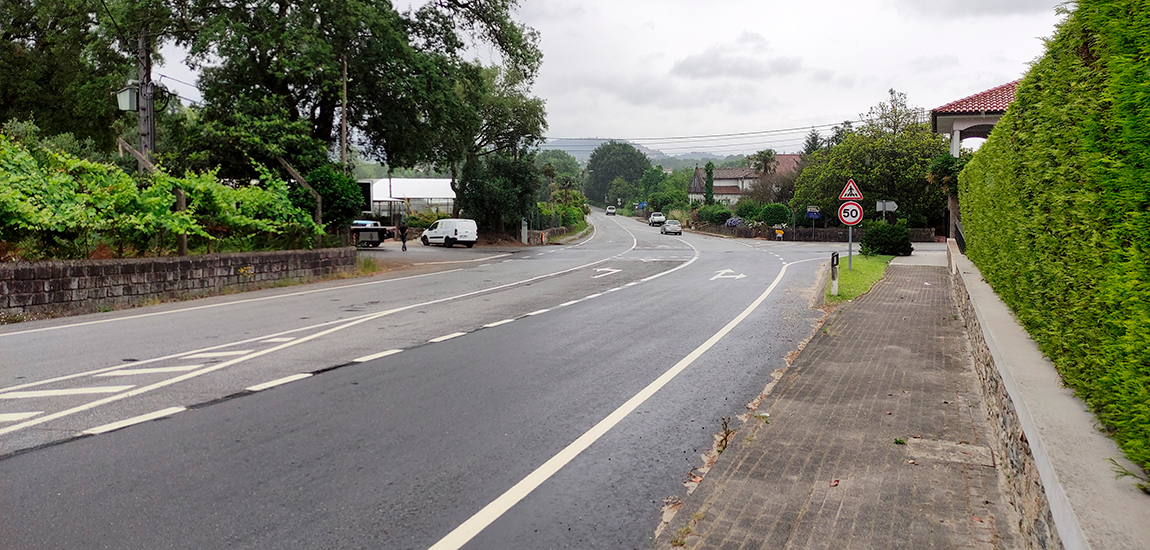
(541, 253)
(278, 382)
(59, 393)
(374, 356)
(446, 337)
(211, 354)
(465, 261)
(505, 261)
(538, 311)
(485, 265)
(475, 524)
(609, 271)
(154, 370)
(134, 420)
(593, 296)
(497, 323)
(571, 303)
(347, 323)
(209, 306)
(276, 340)
(616, 288)
(13, 417)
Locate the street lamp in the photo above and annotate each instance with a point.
(128, 97)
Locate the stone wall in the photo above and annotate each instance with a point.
(89, 285)
(1023, 484)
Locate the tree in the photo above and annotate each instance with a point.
(813, 143)
(611, 160)
(562, 161)
(651, 180)
(341, 196)
(57, 66)
(498, 189)
(709, 190)
(888, 157)
(763, 161)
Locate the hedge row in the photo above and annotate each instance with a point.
(1056, 208)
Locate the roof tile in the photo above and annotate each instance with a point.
(992, 100)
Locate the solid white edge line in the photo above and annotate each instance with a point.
(497, 323)
(281, 381)
(374, 356)
(539, 311)
(134, 420)
(465, 261)
(446, 337)
(475, 524)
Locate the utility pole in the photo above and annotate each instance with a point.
(343, 122)
(147, 114)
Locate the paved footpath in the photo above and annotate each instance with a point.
(876, 439)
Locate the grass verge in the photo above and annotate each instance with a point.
(864, 273)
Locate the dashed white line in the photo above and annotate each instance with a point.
(279, 382)
(485, 265)
(538, 311)
(374, 356)
(616, 288)
(134, 420)
(497, 323)
(571, 303)
(593, 296)
(58, 393)
(446, 337)
(153, 370)
(211, 354)
(14, 417)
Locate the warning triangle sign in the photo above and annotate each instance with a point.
(850, 192)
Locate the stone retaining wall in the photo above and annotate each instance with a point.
(89, 285)
(1012, 450)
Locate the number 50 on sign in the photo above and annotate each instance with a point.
(850, 213)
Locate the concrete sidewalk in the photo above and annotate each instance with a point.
(876, 439)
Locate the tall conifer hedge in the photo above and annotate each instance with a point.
(1056, 208)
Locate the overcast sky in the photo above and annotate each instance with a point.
(663, 68)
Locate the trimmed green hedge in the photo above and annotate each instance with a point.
(1056, 210)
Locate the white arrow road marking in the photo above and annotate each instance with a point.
(13, 417)
(724, 275)
(57, 393)
(609, 271)
(134, 420)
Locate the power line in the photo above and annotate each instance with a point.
(717, 136)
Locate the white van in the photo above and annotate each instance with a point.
(450, 231)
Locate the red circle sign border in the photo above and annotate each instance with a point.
(854, 204)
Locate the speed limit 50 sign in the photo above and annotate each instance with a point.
(850, 213)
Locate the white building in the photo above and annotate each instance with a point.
(410, 195)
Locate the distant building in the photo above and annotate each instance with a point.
(732, 183)
(394, 196)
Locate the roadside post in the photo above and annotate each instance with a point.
(884, 207)
(834, 273)
(850, 213)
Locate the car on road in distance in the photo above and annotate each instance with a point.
(610, 210)
(657, 218)
(451, 231)
(671, 226)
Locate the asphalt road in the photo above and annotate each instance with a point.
(540, 397)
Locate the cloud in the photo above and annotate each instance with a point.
(933, 63)
(741, 59)
(976, 8)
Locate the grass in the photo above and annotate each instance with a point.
(864, 273)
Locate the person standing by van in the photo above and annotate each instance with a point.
(402, 230)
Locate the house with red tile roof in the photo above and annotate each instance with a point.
(972, 116)
(732, 183)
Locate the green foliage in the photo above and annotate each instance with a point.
(714, 214)
(888, 157)
(664, 200)
(709, 190)
(426, 218)
(609, 161)
(1054, 207)
(775, 213)
(748, 209)
(563, 163)
(886, 239)
(863, 273)
(341, 195)
(498, 190)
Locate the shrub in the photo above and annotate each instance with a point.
(748, 208)
(426, 218)
(884, 238)
(775, 213)
(714, 214)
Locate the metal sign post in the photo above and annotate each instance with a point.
(850, 213)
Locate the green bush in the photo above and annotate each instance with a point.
(885, 238)
(748, 209)
(426, 218)
(714, 214)
(1054, 208)
(775, 213)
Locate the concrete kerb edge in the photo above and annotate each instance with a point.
(1065, 520)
